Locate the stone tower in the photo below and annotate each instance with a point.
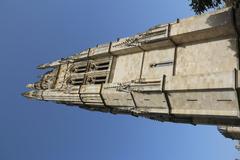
(184, 72)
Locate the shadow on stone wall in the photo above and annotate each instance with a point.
(230, 31)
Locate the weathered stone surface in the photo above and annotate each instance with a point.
(182, 72)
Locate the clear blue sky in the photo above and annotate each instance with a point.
(37, 31)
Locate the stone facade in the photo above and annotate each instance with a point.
(184, 72)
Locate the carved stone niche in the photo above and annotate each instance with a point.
(47, 81)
